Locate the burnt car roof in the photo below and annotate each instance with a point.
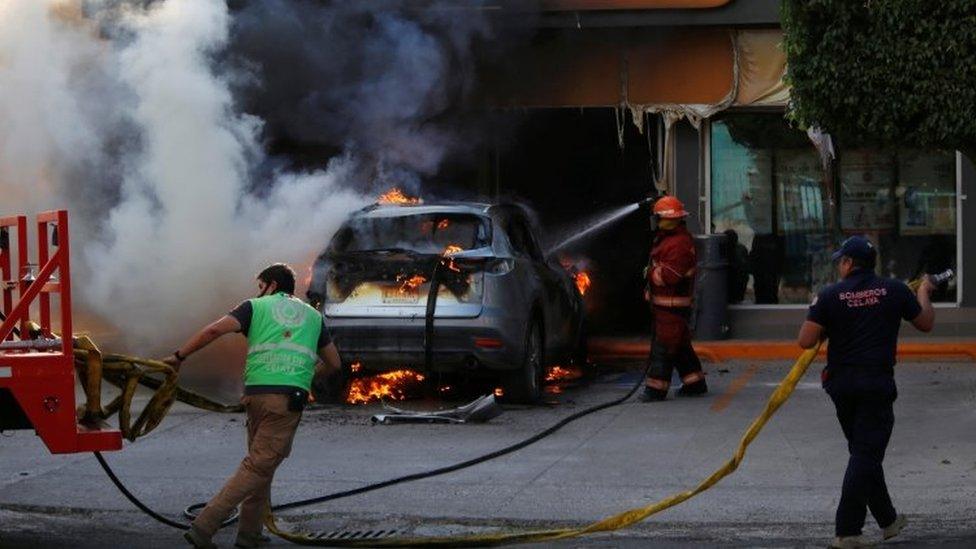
(396, 210)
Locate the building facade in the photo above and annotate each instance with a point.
(701, 83)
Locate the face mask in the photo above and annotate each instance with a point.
(667, 224)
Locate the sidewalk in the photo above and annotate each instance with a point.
(603, 348)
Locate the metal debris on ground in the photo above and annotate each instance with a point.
(479, 410)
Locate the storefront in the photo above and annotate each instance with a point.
(768, 190)
(699, 102)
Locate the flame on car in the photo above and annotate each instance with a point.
(394, 385)
(449, 251)
(583, 282)
(396, 196)
(408, 284)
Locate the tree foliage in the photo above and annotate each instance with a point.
(884, 72)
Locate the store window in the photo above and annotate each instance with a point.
(769, 194)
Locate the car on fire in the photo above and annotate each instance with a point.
(449, 288)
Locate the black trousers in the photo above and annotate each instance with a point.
(665, 360)
(863, 398)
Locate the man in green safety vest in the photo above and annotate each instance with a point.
(288, 344)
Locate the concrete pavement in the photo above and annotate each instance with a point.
(783, 494)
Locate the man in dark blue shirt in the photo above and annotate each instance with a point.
(860, 317)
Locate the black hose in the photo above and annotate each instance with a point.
(190, 512)
(135, 501)
(470, 462)
(432, 292)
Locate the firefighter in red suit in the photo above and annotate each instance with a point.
(670, 284)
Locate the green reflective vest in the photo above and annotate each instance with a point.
(282, 342)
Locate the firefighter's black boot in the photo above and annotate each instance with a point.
(653, 395)
(697, 388)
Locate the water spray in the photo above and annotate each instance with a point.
(602, 222)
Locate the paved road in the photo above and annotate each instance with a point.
(782, 495)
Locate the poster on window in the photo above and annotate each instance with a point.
(867, 200)
(800, 200)
(926, 193)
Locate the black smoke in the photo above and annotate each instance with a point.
(393, 84)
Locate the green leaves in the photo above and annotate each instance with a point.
(884, 72)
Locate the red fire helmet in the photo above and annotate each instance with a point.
(669, 207)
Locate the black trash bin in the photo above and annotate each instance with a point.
(711, 320)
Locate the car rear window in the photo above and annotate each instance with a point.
(429, 233)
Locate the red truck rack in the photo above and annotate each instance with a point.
(37, 374)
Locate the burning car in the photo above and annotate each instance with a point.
(449, 287)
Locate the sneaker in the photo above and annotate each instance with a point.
(198, 540)
(850, 542)
(895, 527)
(248, 540)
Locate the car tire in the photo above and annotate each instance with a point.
(524, 385)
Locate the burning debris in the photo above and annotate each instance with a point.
(560, 373)
(395, 385)
(557, 378)
(396, 196)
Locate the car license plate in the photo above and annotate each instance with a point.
(398, 295)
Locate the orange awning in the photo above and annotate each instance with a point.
(607, 67)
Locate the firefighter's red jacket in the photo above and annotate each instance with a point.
(671, 271)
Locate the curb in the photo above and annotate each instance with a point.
(721, 351)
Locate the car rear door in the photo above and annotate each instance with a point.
(555, 300)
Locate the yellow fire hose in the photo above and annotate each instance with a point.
(127, 373)
(615, 522)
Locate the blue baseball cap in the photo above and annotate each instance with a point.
(856, 247)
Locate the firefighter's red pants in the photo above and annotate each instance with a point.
(672, 349)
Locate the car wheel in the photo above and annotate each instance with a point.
(524, 385)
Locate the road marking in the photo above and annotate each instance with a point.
(723, 401)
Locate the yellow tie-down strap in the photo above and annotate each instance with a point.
(615, 522)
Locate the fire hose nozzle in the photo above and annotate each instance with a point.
(650, 199)
(944, 276)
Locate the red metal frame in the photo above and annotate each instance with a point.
(42, 378)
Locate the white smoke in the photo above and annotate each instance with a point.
(138, 134)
